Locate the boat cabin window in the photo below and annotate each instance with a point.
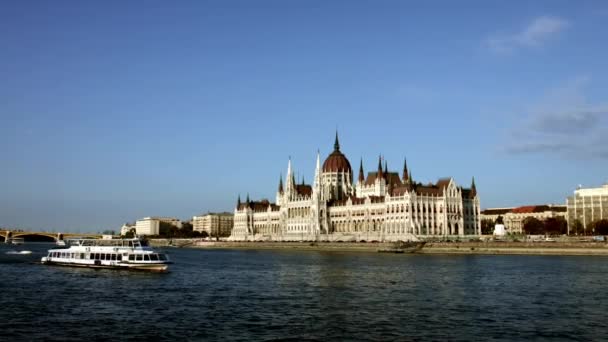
(131, 257)
(91, 256)
(154, 257)
(97, 256)
(139, 257)
(146, 257)
(119, 257)
(113, 256)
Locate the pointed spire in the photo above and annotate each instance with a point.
(361, 175)
(473, 188)
(380, 173)
(336, 143)
(405, 175)
(238, 202)
(247, 200)
(410, 178)
(281, 184)
(317, 181)
(303, 180)
(385, 168)
(289, 187)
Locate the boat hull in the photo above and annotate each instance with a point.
(158, 267)
(403, 247)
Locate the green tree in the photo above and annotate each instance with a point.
(187, 226)
(555, 226)
(599, 227)
(499, 220)
(487, 226)
(576, 228)
(130, 234)
(533, 226)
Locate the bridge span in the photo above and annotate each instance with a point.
(6, 235)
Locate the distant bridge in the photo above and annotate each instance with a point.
(9, 234)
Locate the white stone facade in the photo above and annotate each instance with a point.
(513, 218)
(215, 224)
(380, 207)
(126, 228)
(587, 205)
(147, 226)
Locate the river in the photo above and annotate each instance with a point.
(264, 295)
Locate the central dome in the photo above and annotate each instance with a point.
(336, 161)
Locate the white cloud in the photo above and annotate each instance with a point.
(535, 34)
(564, 123)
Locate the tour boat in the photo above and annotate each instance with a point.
(128, 254)
(403, 247)
(17, 241)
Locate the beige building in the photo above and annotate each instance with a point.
(127, 228)
(513, 218)
(382, 206)
(151, 225)
(170, 220)
(587, 205)
(147, 226)
(215, 224)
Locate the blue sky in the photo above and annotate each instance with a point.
(116, 110)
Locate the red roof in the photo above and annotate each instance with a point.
(303, 189)
(525, 209)
(337, 162)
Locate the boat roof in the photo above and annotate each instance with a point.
(133, 242)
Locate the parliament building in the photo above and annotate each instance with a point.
(382, 206)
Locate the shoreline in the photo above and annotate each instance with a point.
(460, 248)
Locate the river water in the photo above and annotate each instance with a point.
(299, 295)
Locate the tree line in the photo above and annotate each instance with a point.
(551, 226)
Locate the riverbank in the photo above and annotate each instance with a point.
(490, 248)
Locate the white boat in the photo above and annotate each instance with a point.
(129, 254)
(18, 252)
(60, 243)
(17, 241)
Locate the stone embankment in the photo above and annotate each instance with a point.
(490, 247)
(532, 248)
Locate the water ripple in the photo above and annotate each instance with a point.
(233, 295)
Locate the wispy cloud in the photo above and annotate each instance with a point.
(565, 124)
(535, 34)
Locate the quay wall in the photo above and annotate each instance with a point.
(490, 247)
